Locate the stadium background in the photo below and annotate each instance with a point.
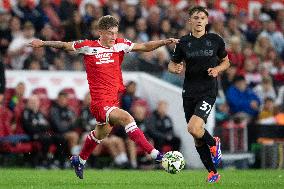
(254, 52)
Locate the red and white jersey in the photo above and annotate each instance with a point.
(103, 67)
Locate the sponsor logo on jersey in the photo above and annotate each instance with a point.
(95, 51)
(104, 58)
(201, 53)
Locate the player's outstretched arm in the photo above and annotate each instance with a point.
(225, 64)
(175, 68)
(152, 45)
(37, 43)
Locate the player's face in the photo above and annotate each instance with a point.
(108, 37)
(198, 21)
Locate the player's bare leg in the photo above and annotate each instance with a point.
(92, 140)
(123, 118)
(204, 142)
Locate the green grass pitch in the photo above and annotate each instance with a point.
(127, 179)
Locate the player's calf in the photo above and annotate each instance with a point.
(216, 152)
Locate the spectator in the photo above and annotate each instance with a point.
(251, 73)
(129, 96)
(139, 111)
(37, 127)
(63, 121)
(18, 98)
(267, 113)
(129, 18)
(265, 89)
(66, 8)
(222, 114)
(75, 28)
(228, 77)
(18, 49)
(267, 8)
(275, 37)
(48, 10)
(141, 28)
(2, 82)
(160, 129)
(5, 32)
(240, 98)
(235, 52)
(15, 27)
(27, 13)
(39, 56)
(261, 46)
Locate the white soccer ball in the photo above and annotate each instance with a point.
(173, 162)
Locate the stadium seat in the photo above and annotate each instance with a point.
(5, 120)
(18, 113)
(9, 92)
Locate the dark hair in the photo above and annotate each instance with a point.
(197, 9)
(107, 22)
(239, 78)
(62, 93)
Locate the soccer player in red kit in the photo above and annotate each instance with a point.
(103, 58)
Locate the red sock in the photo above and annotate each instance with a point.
(138, 137)
(90, 144)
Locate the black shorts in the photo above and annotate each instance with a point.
(199, 106)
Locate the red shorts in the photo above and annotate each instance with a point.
(102, 110)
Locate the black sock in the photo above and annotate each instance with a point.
(208, 139)
(205, 157)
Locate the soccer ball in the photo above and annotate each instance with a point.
(173, 162)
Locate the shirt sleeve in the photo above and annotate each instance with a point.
(127, 45)
(221, 53)
(81, 46)
(177, 54)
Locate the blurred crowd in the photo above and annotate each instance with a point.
(251, 90)
(50, 131)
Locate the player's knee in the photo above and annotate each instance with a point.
(194, 130)
(126, 119)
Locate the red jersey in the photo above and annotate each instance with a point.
(103, 67)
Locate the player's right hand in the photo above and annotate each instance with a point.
(36, 43)
(175, 68)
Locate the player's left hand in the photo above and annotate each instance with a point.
(213, 72)
(170, 41)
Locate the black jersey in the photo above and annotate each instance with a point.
(199, 54)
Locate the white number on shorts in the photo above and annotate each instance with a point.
(205, 106)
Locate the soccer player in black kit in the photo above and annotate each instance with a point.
(205, 57)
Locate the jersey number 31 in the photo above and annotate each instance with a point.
(205, 107)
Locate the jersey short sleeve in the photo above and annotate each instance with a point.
(221, 52)
(124, 45)
(177, 54)
(81, 46)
